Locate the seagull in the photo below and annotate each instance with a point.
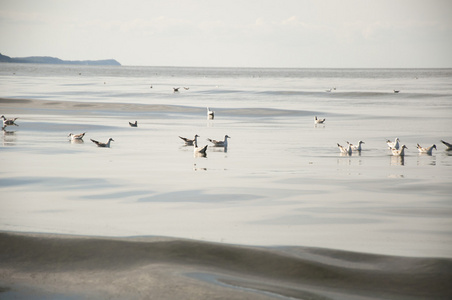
(8, 122)
(186, 88)
(396, 91)
(318, 121)
(76, 136)
(449, 146)
(428, 150)
(328, 90)
(397, 152)
(198, 150)
(133, 124)
(220, 143)
(189, 142)
(176, 90)
(393, 145)
(344, 150)
(104, 145)
(357, 148)
(210, 113)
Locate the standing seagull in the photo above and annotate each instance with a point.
(428, 150)
(190, 142)
(76, 136)
(223, 143)
(393, 145)
(449, 146)
(9, 122)
(133, 124)
(210, 114)
(318, 121)
(397, 152)
(104, 145)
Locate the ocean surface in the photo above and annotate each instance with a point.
(282, 180)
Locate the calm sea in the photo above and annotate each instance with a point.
(282, 180)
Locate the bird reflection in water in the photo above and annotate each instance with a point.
(78, 141)
(196, 168)
(9, 137)
(397, 160)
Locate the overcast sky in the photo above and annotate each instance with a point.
(230, 33)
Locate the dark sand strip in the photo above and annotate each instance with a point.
(33, 106)
(165, 268)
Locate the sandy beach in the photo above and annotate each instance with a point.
(47, 265)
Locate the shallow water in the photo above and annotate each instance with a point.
(282, 180)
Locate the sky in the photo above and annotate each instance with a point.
(232, 33)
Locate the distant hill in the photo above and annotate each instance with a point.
(57, 61)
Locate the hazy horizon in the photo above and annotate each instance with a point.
(264, 34)
(212, 67)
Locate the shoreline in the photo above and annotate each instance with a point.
(174, 268)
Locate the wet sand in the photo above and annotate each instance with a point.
(47, 265)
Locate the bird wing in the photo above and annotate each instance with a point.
(446, 143)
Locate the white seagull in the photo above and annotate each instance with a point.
(318, 121)
(76, 136)
(344, 150)
(8, 122)
(220, 143)
(198, 150)
(189, 142)
(393, 145)
(449, 146)
(104, 145)
(428, 150)
(133, 124)
(210, 113)
(357, 148)
(397, 152)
